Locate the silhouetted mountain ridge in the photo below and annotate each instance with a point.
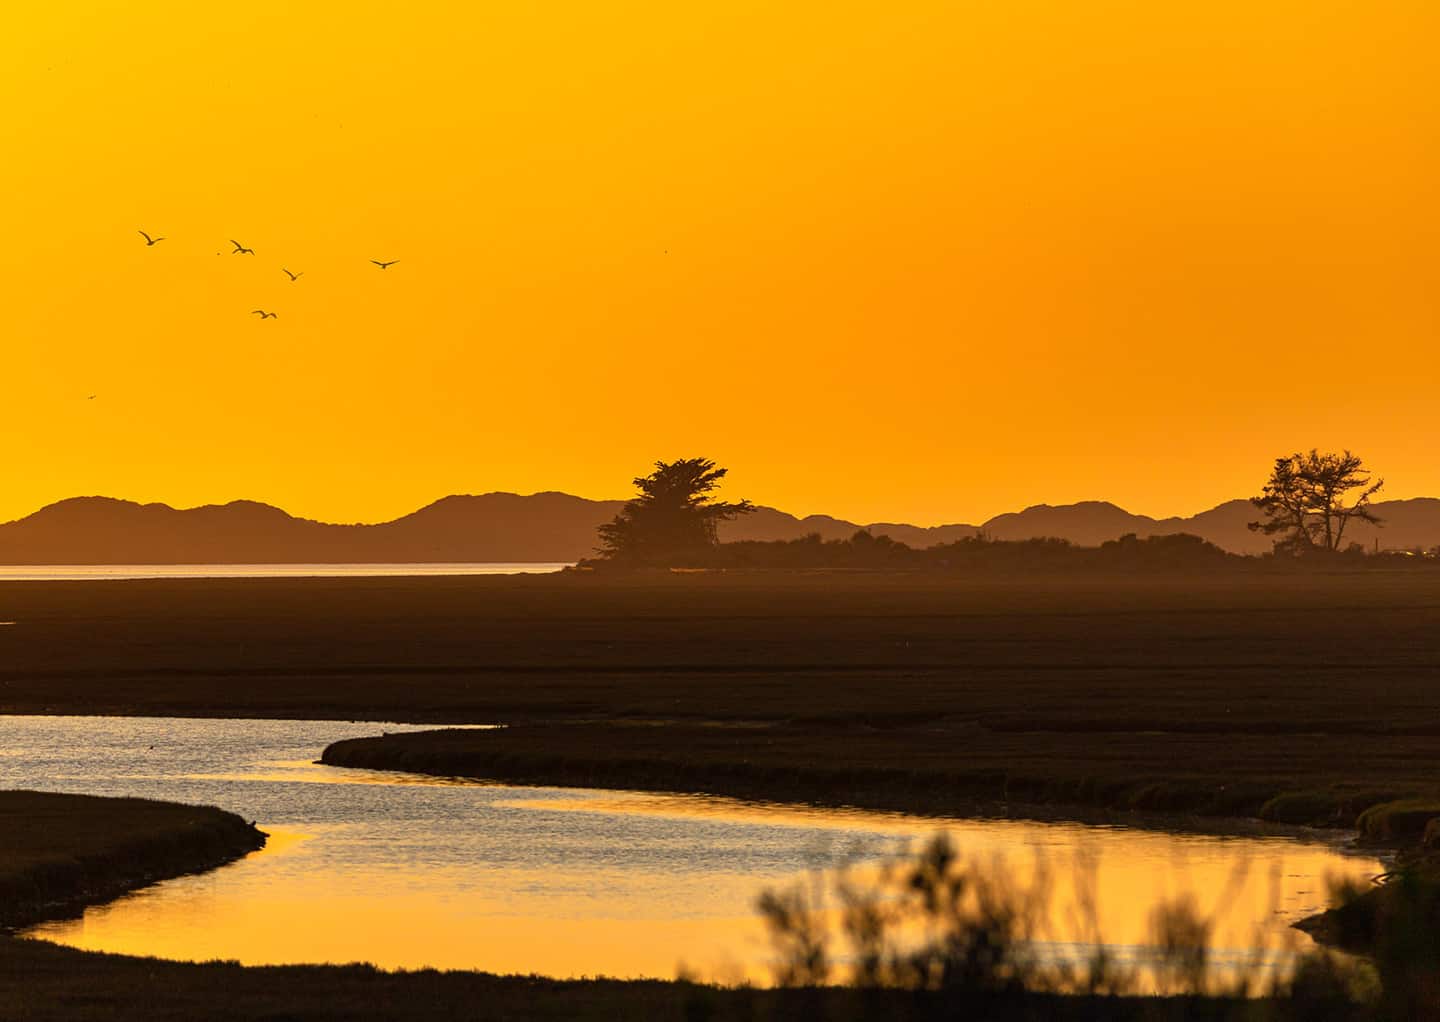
(553, 526)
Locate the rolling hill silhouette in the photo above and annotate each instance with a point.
(559, 527)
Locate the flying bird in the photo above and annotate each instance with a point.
(263, 314)
(149, 240)
(241, 249)
(384, 265)
(293, 276)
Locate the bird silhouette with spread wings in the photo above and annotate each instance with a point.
(149, 240)
(385, 265)
(240, 249)
(293, 276)
(263, 314)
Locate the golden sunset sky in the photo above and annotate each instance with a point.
(915, 261)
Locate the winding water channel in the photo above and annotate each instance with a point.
(410, 872)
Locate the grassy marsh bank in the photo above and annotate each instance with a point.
(941, 768)
(62, 852)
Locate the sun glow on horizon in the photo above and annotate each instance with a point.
(928, 264)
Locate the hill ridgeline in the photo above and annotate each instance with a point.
(509, 527)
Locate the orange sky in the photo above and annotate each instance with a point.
(930, 263)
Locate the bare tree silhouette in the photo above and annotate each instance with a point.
(1304, 500)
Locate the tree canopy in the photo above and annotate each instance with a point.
(673, 518)
(1305, 501)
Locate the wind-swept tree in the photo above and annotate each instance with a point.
(673, 518)
(1307, 501)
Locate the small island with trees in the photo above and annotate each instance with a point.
(1306, 505)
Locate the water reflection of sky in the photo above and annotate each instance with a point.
(410, 872)
(116, 572)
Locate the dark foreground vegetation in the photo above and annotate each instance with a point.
(40, 981)
(945, 928)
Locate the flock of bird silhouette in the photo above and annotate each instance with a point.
(240, 249)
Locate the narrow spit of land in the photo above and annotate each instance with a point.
(942, 768)
(61, 851)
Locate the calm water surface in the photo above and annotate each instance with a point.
(102, 572)
(410, 872)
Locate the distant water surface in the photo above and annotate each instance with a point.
(102, 572)
(409, 872)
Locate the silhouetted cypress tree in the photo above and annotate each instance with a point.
(673, 518)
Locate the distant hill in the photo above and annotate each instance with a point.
(769, 524)
(1407, 524)
(560, 527)
(489, 527)
(1092, 522)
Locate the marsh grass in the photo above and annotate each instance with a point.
(1402, 820)
(1394, 923)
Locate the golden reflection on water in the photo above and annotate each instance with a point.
(585, 918)
(1253, 887)
(301, 771)
(343, 930)
(607, 931)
